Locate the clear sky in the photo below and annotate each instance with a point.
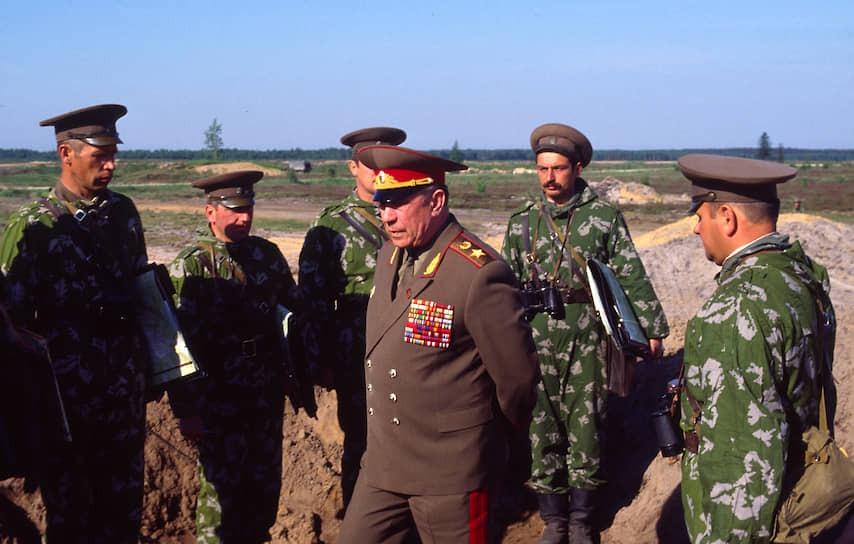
(281, 74)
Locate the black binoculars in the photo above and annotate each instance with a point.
(665, 422)
(547, 299)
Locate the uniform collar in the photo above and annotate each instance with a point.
(768, 242)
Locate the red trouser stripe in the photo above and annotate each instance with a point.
(478, 514)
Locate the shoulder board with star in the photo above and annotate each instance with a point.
(471, 250)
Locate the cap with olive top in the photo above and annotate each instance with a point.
(562, 139)
(364, 137)
(716, 178)
(232, 190)
(95, 125)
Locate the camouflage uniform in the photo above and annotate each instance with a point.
(229, 321)
(751, 342)
(570, 412)
(336, 271)
(72, 284)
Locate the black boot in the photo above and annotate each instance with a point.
(581, 508)
(554, 509)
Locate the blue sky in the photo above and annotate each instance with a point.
(284, 74)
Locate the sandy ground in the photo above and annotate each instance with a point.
(640, 505)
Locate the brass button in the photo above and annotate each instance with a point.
(370, 411)
(392, 397)
(370, 388)
(369, 363)
(392, 373)
(395, 421)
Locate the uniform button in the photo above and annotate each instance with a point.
(392, 373)
(370, 388)
(392, 397)
(369, 363)
(370, 411)
(395, 421)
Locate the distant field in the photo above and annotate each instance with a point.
(826, 189)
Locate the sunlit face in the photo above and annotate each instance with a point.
(557, 176)
(89, 169)
(229, 224)
(409, 221)
(364, 180)
(709, 229)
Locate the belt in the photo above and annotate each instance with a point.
(692, 441)
(575, 296)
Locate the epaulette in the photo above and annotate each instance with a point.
(465, 246)
(471, 250)
(187, 251)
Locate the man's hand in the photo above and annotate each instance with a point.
(656, 348)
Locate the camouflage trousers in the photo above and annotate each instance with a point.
(568, 420)
(240, 476)
(93, 489)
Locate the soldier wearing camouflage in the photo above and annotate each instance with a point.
(228, 286)
(571, 406)
(336, 271)
(70, 259)
(754, 354)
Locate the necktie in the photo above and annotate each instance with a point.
(405, 274)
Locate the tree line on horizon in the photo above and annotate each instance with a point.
(337, 153)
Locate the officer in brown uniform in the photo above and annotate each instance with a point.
(450, 364)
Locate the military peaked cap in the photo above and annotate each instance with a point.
(401, 171)
(562, 139)
(715, 178)
(232, 190)
(95, 125)
(373, 136)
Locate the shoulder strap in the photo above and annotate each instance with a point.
(360, 229)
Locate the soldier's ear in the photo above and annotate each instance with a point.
(210, 212)
(437, 200)
(728, 220)
(64, 151)
(354, 166)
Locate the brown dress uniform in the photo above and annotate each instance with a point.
(450, 370)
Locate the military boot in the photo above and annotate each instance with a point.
(554, 510)
(581, 508)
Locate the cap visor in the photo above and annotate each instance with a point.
(390, 195)
(237, 202)
(102, 140)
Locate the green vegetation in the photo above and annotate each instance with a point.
(824, 188)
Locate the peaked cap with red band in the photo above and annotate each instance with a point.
(401, 171)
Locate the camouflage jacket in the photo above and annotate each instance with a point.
(336, 271)
(752, 354)
(226, 298)
(597, 230)
(72, 283)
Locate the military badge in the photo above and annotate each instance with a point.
(429, 324)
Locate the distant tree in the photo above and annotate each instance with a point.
(780, 153)
(213, 138)
(764, 147)
(456, 155)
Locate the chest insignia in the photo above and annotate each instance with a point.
(429, 323)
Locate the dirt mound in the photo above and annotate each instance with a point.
(622, 192)
(225, 168)
(641, 502)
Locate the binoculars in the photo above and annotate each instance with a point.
(536, 299)
(669, 435)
